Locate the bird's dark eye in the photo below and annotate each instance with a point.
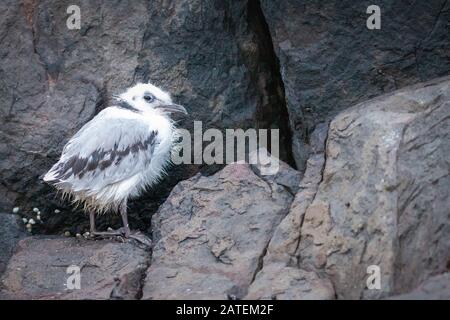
(149, 98)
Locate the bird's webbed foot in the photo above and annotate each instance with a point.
(124, 235)
(108, 234)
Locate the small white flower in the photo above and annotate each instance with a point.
(24, 220)
(29, 226)
(31, 221)
(67, 233)
(78, 235)
(57, 211)
(38, 217)
(35, 209)
(15, 209)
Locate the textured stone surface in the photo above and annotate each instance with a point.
(280, 277)
(330, 61)
(279, 173)
(279, 282)
(434, 288)
(384, 195)
(109, 270)
(286, 238)
(376, 195)
(212, 232)
(214, 56)
(11, 231)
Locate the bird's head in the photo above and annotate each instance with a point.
(145, 97)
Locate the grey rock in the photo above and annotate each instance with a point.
(283, 175)
(434, 288)
(330, 61)
(283, 245)
(280, 276)
(384, 194)
(109, 270)
(11, 231)
(211, 234)
(378, 194)
(279, 282)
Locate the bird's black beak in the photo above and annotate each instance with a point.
(173, 108)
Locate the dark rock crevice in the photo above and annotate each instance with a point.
(265, 79)
(272, 109)
(143, 276)
(260, 264)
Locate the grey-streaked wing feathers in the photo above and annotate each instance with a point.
(104, 151)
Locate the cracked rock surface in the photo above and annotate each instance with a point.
(378, 196)
(108, 269)
(434, 288)
(212, 232)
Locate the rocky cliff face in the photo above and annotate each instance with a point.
(371, 203)
(370, 177)
(330, 60)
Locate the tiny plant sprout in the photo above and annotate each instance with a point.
(15, 210)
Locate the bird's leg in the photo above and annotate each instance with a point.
(123, 214)
(126, 228)
(92, 221)
(95, 233)
(123, 232)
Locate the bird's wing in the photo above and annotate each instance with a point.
(106, 150)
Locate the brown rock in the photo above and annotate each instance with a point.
(434, 288)
(289, 283)
(379, 196)
(212, 232)
(108, 269)
(384, 196)
(279, 277)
